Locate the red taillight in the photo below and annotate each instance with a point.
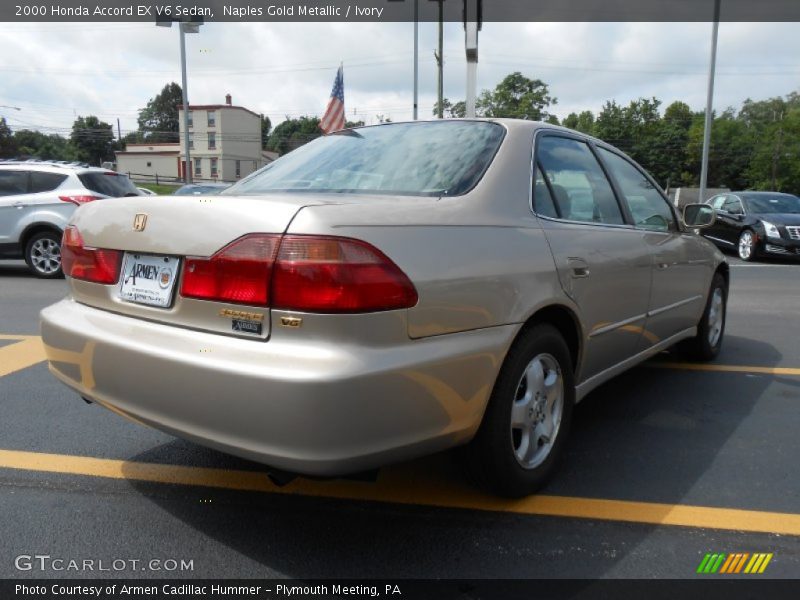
(239, 273)
(78, 200)
(88, 264)
(303, 273)
(337, 275)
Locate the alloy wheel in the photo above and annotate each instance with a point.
(45, 256)
(537, 410)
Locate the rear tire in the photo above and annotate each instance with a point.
(43, 255)
(527, 419)
(706, 344)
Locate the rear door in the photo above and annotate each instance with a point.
(13, 206)
(681, 266)
(603, 262)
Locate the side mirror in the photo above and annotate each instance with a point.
(699, 216)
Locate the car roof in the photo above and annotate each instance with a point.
(50, 166)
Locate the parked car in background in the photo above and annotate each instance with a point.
(756, 224)
(37, 199)
(386, 292)
(200, 189)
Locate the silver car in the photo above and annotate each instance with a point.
(37, 199)
(387, 292)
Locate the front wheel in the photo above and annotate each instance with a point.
(43, 255)
(706, 344)
(747, 245)
(527, 418)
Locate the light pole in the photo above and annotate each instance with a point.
(709, 103)
(472, 25)
(185, 27)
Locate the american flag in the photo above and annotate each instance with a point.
(333, 119)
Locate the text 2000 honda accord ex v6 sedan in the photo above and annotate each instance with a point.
(386, 292)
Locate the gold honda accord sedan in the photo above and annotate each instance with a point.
(386, 292)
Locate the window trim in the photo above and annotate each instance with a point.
(547, 132)
(649, 178)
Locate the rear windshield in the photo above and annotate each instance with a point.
(422, 159)
(784, 203)
(109, 184)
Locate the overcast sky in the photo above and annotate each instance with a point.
(55, 72)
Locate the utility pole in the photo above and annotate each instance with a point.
(709, 104)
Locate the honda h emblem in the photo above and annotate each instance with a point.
(139, 222)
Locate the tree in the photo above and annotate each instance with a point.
(92, 139)
(451, 111)
(583, 122)
(517, 97)
(8, 145)
(293, 133)
(266, 126)
(35, 144)
(158, 121)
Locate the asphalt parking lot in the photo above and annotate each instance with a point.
(666, 464)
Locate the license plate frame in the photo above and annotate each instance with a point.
(149, 279)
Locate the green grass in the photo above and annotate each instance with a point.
(162, 190)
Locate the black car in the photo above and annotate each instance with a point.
(756, 224)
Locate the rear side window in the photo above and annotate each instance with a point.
(13, 182)
(542, 199)
(580, 187)
(109, 184)
(45, 182)
(648, 207)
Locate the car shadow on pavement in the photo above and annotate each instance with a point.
(15, 269)
(651, 435)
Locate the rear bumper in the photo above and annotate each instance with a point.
(317, 409)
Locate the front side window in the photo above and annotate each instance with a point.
(212, 141)
(213, 167)
(580, 188)
(212, 118)
(198, 167)
(13, 182)
(437, 158)
(648, 207)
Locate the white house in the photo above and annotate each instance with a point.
(224, 145)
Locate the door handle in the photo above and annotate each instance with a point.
(577, 268)
(18, 204)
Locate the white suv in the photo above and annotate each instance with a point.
(38, 198)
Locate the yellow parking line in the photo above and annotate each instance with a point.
(723, 368)
(405, 485)
(24, 353)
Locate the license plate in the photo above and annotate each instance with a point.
(148, 279)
